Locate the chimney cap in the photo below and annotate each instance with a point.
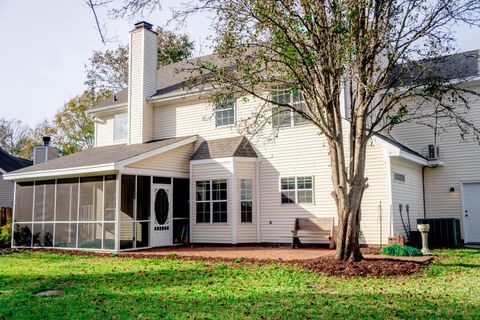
(46, 141)
(143, 24)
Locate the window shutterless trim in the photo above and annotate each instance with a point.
(210, 201)
(296, 189)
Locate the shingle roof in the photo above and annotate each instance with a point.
(400, 145)
(10, 163)
(456, 66)
(120, 97)
(100, 155)
(223, 148)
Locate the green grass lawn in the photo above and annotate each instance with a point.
(110, 287)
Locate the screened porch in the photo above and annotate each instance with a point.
(105, 212)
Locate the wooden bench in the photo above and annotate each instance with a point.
(323, 228)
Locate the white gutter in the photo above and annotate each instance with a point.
(108, 108)
(60, 172)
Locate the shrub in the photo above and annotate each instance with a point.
(398, 251)
(6, 235)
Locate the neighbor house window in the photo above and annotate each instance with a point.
(284, 116)
(211, 201)
(120, 126)
(246, 200)
(297, 190)
(225, 112)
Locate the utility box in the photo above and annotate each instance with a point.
(444, 232)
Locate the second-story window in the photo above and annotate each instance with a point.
(120, 122)
(284, 116)
(225, 112)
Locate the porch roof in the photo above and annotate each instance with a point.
(99, 159)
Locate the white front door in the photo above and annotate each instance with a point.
(161, 215)
(471, 212)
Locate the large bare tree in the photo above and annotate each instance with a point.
(379, 56)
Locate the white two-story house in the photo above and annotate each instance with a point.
(170, 168)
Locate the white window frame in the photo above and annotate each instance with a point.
(210, 201)
(249, 199)
(221, 111)
(296, 189)
(293, 116)
(115, 124)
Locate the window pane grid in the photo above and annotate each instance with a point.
(296, 190)
(211, 201)
(246, 201)
(225, 113)
(282, 116)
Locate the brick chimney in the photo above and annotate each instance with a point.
(45, 152)
(142, 82)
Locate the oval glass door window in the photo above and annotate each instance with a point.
(161, 207)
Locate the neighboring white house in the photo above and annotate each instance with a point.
(9, 163)
(167, 166)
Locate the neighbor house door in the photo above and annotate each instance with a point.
(161, 215)
(471, 212)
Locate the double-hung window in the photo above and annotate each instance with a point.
(296, 190)
(284, 116)
(211, 201)
(120, 126)
(246, 200)
(225, 112)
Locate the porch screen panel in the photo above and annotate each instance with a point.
(67, 200)
(91, 199)
(110, 197)
(22, 234)
(143, 198)
(66, 235)
(52, 213)
(127, 201)
(24, 202)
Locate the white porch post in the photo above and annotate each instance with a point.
(117, 212)
(234, 201)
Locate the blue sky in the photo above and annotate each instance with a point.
(46, 44)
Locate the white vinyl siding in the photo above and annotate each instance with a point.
(246, 231)
(211, 232)
(298, 151)
(406, 193)
(176, 160)
(460, 159)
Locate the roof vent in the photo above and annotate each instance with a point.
(143, 24)
(46, 141)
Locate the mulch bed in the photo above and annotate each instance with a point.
(327, 265)
(332, 267)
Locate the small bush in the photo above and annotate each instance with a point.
(398, 251)
(221, 267)
(6, 235)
